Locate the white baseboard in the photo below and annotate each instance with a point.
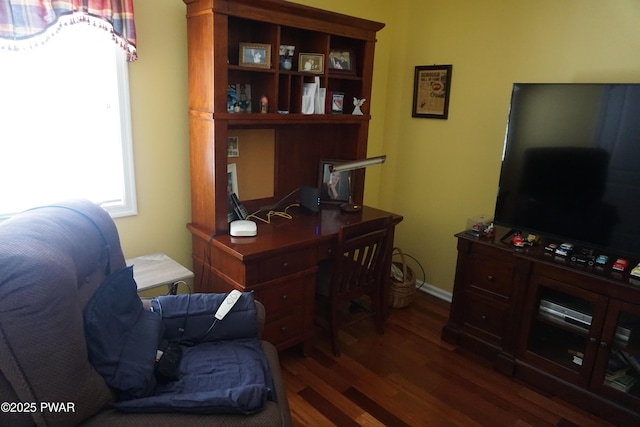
(435, 291)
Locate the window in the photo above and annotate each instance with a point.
(65, 128)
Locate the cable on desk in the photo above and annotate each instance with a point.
(283, 214)
(275, 205)
(284, 198)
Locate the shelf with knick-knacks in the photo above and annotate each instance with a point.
(281, 71)
(256, 46)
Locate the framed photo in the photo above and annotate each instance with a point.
(232, 179)
(342, 61)
(431, 90)
(239, 98)
(334, 186)
(232, 147)
(255, 55)
(311, 63)
(337, 102)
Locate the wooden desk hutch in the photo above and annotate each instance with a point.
(216, 29)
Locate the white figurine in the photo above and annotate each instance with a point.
(357, 103)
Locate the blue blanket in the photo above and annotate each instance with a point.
(223, 368)
(215, 377)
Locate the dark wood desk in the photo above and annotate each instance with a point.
(279, 265)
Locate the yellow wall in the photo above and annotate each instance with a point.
(447, 170)
(438, 172)
(158, 86)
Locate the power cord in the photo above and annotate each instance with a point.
(273, 209)
(168, 361)
(279, 202)
(282, 214)
(173, 289)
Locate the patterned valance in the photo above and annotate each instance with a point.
(28, 23)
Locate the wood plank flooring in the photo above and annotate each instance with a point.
(409, 377)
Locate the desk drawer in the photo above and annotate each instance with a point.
(284, 296)
(326, 250)
(285, 264)
(284, 329)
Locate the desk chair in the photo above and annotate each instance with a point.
(355, 271)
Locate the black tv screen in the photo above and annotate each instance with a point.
(571, 164)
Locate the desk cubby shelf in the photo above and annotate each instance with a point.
(283, 87)
(257, 119)
(215, 31)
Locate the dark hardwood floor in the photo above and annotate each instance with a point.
(409, 377)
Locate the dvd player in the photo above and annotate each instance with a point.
(555, 312)
(567, 314)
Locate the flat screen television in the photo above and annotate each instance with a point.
(571, 165)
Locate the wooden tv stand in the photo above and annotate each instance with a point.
(557, 325)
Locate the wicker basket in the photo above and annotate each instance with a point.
(402, 292)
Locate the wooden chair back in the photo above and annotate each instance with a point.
(359, 261)
(356, 270)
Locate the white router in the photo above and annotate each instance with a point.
(243, 228)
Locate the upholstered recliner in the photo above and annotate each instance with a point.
(53, 262)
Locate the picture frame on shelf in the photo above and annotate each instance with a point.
(431, 91)
(334, 186)
(337, 102)
(342, 61)
(239, 98)
(232, 179)
(311, 63)
(257, 55)
(232, 147)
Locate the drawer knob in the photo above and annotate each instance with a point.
(490, 278)
(483, 317)
(603, 344)
(285, 264)
(284, 297)
(283, 330)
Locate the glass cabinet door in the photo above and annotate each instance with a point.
(619, 355)
(561, 325)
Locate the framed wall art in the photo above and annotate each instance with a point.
(255, 55)
(431, 91)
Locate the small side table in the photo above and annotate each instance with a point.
(157, 269)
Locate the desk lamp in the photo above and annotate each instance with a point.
(349, 166)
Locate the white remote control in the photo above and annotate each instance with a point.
(228, 304)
